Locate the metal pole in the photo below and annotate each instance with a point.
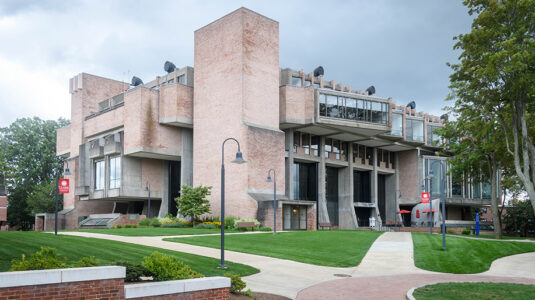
(443, 167)
(56, 210)
(274, 202)
(430, 204)
(222, 264)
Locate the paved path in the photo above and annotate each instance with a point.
(386, 272)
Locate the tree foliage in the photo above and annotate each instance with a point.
(192, 201)
(519, 218)
(496, 76)
(29, 163)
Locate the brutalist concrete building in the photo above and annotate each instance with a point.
(342, 156)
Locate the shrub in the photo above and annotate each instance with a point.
(155, 222)
(466, 231)
(205, 226)
(118, 226)
(165, 267)
(144, 222)
(46, 258)
(451, 231)
(236, 283)
(133, 271)
(86, 262)
(175, 225)
(265, 229)
(192, 201)
(169, 216)
(130, 226)
(229, 222)
(255, 221)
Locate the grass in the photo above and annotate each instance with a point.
(475, 290)
(505, 237)
(462, 256)
(15, 243)
(337, 248)
(153, 231)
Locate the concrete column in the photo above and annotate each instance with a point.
(186, 164)
(323, 215)
(396, 175)
(346, 210)
(164, 206)
(374, 190)
(289, 171)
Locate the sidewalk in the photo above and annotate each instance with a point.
(386, 272)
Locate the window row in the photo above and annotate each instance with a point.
(114, 174)
(353, 109)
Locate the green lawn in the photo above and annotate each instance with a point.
(153, 231)
(476, 291)
(337, 248)
(462, 256)
(505, 237)
(15, 243)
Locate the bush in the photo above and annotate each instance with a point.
(144, 222)
(236, 283)
(205, 226)
(175, 225)
(255, 221)
(229, 222)
(46, 258)
(265, 229)
(130, 226)
(466, 231)
(451, 231)
(155, 222)
(85, 262)
(118, 226)
(165, 267)
(133, 271)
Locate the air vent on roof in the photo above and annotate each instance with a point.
(370, 90)
(169, 67)
(318, 71)
(412, 105)
(136, 81)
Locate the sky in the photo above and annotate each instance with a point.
(400, 47)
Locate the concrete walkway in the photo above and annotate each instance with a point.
(386, 272)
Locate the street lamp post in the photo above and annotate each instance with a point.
(147, 188)
(239, 160)
(67, 172)
(443, 196)
(430, 176)
(274, 198)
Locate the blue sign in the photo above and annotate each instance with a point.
(477, 223)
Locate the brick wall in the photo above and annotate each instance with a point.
(95, 289)
(215, 294)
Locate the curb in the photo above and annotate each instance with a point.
(409, 295)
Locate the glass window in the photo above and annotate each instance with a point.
(397, 124)
(361, 110)
(115, 172)
(182, 79)
(99, 175)
(477, 189)
(296, 81)
(305, 181)
(415, 130)
(392, 160)
(351, 108)
(432, 137)
(305, 142)
(308, 83)
(376, 112)
(332, 106)
(369, 155)
(315, 144)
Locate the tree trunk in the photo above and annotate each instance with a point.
(496, 221)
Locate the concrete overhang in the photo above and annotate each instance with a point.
(154, 153)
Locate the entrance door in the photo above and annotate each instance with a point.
(363, 216)
(331, 189)
(381, 196)
(294, 217)
(174, 186)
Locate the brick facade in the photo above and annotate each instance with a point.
(215, 294)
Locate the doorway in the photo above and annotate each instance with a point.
(363, 216)
(294, 217)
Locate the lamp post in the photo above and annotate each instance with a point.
(67, 172)
(429, 177)
(274, 198)
(239, 160)
(147, 189)
(443, 196)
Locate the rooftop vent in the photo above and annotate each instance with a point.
(318, 71)
(136, 81)
(169, 67)
(412, 105)
(370, 90)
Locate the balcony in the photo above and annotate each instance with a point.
(176, 105)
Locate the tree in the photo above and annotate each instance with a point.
(192, 201)
(497, 72)
(43, 198)
(27, 160)
(519, 218)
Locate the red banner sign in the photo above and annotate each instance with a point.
(425, 197)
(64, 186)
